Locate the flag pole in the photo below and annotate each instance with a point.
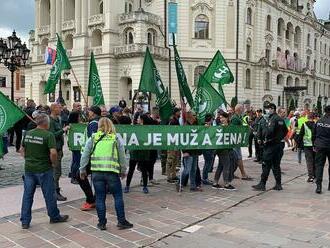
(82, 93)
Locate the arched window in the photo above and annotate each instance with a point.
(101, 7)
(280, 27)
(297, 82)
(197, 72)
(268, 53)
(248, 79)
(308, 61)
(69, 10)
(314, 89)
(289, 81)
(44, 12)
(315, 44)
(308, 40)
(289, 31)
(267, 81)
(279, 79)
(129, 38)
(201, 27)
(249, 16)
(297, 36)
(269, 23)
(68, 42)
(96, 38)
(248, 49)
(151, 36)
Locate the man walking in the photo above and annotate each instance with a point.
(55, 127)
(274, 134)
(321, 144)
(39, 151)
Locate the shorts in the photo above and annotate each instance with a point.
(238, 152)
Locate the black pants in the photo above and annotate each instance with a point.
(320, 158)
(151, 168)
(272, 161)
(144, 167)
(18, 131)
(85, 187)
(251, 137)
(310, 161)
(259, 149)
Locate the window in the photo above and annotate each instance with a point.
(325, 68)
(314, 89)
(198, 71)
(69, 10)
(314, 65)
(289, 81)
(248, 79)
(128, 7)
(289, 31)
(308, 40)
(45, 10)
(67, 95)
(248, 50)
(315, 44)
(307, 85)
(129, 38)
(269, 23)
(279, 101)
(308, 61)
(267, 81)
(2, 82)
(297, 82)
(280, 27)
(297, 36)
(96, 38)
(101, 7)
(201, 27)
(268, 56)
(22, 81)
(69, 42)
(76, 93)
(249, 16)
(279, 80)
(151, 37)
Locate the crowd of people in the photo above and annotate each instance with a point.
(105, 158)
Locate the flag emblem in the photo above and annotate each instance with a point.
(3, 117)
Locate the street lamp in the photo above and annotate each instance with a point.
(13, 55)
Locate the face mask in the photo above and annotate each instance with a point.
(267, 111)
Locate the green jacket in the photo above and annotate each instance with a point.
(55, 127)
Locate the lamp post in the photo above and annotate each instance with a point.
(13, 55)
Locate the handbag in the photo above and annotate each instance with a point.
(88, 167)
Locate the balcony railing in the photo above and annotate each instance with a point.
(134, 50)
(68, 25)
(96, 50)
(43, 30)
(140, 16)
(95, 20)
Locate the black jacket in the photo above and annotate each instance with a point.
(275, 131)
(322, 133)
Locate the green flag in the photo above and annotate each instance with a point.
(9, 113)
(151, 82)
(218, 71)
(61, 63)
(94, 84)
(185, 92)
(207, 99)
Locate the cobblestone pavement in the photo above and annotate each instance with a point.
(13, 165)
(214, 218)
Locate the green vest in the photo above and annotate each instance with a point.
(308, 136)
(105, 156)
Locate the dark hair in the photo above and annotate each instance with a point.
(146, 119)
(208, 117)
(224, 114)
(73, 117)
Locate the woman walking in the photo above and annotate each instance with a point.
(108, 163)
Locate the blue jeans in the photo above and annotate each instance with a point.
(209, 156)
(75, 163)
(46, 182)
(100, 181)
(189, 171)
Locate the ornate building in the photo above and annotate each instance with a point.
(283, 50)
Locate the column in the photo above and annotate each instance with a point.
(84, 16)
(78, 16)
(37, 16)
(52, 18)
(58, 16)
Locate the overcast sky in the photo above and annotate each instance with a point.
(19, 15)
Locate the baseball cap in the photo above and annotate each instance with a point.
(115, 109)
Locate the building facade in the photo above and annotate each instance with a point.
(283, 51)
(19, 84)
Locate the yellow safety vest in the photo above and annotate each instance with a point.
(307, 136)
(301, 122)
(105, 156)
